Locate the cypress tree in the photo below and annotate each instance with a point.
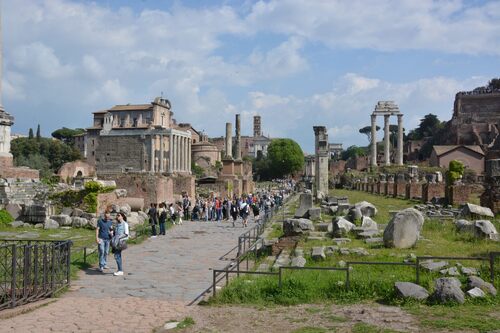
(30, 135)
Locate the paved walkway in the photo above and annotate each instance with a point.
(162, 276)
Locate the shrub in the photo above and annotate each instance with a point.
(5, 217)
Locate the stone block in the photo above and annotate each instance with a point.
(403, 230)
(318, 253)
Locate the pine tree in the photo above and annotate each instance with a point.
(38, 134)
(30, 135)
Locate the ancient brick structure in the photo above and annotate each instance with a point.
(433, 190)
(458, 194)
(476, 117)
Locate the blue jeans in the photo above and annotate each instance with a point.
(162, 228)
(103, 250)
(118, 258)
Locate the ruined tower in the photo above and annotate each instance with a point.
(321, 155)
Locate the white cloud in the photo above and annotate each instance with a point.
(449, 25)
(110, 91)
(40, 59)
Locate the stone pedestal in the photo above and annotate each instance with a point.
(458, 194)
(413, 191)
(399, 190)
(433, 190)
(491, 196)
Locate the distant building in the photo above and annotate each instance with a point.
(140, 138)
(472, 157)
(335, 150)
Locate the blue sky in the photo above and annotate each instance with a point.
(296, 63)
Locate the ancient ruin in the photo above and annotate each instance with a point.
(386, 109)
(321, 164)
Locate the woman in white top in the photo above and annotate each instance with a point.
(122, 231)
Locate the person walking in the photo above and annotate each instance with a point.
(173, 214)
(103, 238)
(122, 232)
(153, 219)
(244, 211)
(180, 212)
(234, 212)
(162, 212)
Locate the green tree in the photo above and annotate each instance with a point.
(285, 157)
(30, 134)
(35, 161)
(38, 133)
(429, 126)
(455, 171)
(367, 130)
(67, 135)
(56, 153)
(494, 83)
(353, 151)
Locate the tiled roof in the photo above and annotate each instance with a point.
(441, 150)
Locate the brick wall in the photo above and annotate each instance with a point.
(433, 190)
(458, 194)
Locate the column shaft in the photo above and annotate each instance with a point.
(387, 145)
(162, 148)
(170, 153)
(400, 139)
(189, 155)
(152, 157)
(374, 140)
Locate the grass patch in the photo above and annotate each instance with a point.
(368, 283)
(185, 323)
(384, 204)
(482, 318)
(276, 231)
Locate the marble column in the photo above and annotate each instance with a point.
(189, 155)
(170, 153)
(174, 148)
(152, 157)
(183, 154)
(387, 144)
(374, 141)
(162, 162)
(400, 140)
(229, 141)
(237, 142)
(177, 155)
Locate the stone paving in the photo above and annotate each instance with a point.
(162, 276)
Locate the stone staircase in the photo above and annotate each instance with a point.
(23, 193)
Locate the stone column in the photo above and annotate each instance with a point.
(174, 147)
(387, 145)
(162, 162)
(400, 140)
(374, 141)
(170, 153)
(237, 142)
(229, 141)
(189, 155)
(152, 157)
(183, 154)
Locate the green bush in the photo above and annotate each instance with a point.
(5, 217)
(455, 172)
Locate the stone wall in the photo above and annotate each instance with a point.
(106, 200)
(117, 153)
(337, 167)
(153, 188)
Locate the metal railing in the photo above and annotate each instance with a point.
(31, 270)
(249, 244)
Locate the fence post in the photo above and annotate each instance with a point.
(14, 277)
(214, 283)
(35, 254)
(85, 255)
(68, 262)
(227, 277)
(26, 265)
(279, 278)
(238, 267)
(53, 272)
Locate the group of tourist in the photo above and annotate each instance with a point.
(114, 233)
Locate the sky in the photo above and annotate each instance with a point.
(295, 63)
